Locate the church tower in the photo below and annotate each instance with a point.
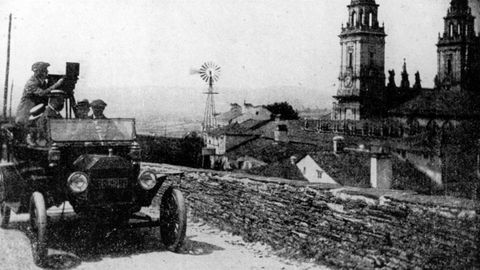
(362, 68)
(458, 50)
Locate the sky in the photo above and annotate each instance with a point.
(137, 55)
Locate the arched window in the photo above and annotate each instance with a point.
(449, 66)
(350, 59)
(362, 17)
(354, 18)
(459, 29)
(432, 130)
(467, 29)
(450, 31)
(413, 126)
(370, 19)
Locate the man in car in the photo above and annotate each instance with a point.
(98, 106)
(35, 92)
(54, 107)
(83, 108)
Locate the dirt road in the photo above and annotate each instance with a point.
(71, 245)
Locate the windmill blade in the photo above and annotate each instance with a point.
(208, 71)
(194, 71)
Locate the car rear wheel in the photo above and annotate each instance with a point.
(38, 224)
(173, 219)
(4, 209)
(4, 215)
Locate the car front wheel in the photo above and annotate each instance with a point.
(38, 224)
(173, 219)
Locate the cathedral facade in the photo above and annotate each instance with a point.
(362, 93)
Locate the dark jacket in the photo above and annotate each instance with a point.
(35, 92)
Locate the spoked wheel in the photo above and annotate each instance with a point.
(38, 223)
(173, 219)
(4, 215)
(4, 209)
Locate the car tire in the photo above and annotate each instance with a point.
(4, 215)
(173, 219)
(38, 225)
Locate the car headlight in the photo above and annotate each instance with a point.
(77, 182)
(147, 180)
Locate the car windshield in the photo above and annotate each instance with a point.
(92, 130)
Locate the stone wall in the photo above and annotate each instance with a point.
(340, 226)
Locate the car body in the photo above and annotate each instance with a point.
(92, 164)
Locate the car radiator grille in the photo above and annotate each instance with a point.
(109, 190)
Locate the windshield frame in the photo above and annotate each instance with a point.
(51, 121)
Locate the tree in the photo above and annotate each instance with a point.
(191, 149)
(284, 109)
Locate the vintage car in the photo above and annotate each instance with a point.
(95, 166)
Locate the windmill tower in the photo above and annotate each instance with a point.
(210, 73)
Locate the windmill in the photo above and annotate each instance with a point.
(210, 73)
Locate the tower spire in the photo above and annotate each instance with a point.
(405, 84)
(458, 49)
(362, 70)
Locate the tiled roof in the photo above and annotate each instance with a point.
(349, 169)
(283, 169)
(441, 103)
(246, 128)
(353, 169)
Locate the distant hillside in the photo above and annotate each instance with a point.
(172, 103)
(314, 113)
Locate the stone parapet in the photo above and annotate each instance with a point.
(345, 227)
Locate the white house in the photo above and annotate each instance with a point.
(217, 142)
(259, 113)
(312, 171)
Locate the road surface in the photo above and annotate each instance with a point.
(71, 245)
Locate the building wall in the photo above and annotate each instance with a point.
(312, 172)
(217, 142)
(259, 113)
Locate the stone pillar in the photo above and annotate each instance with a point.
(381, 172)
(338, 144)
(280, 134)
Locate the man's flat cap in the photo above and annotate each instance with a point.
(39, 66)
(38, 109)
(98, 103)
(36, 112)
(83, 103)
(56, 93)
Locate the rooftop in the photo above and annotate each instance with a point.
(440, 103)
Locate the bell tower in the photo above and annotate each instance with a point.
(458, 50)
(362, 68)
